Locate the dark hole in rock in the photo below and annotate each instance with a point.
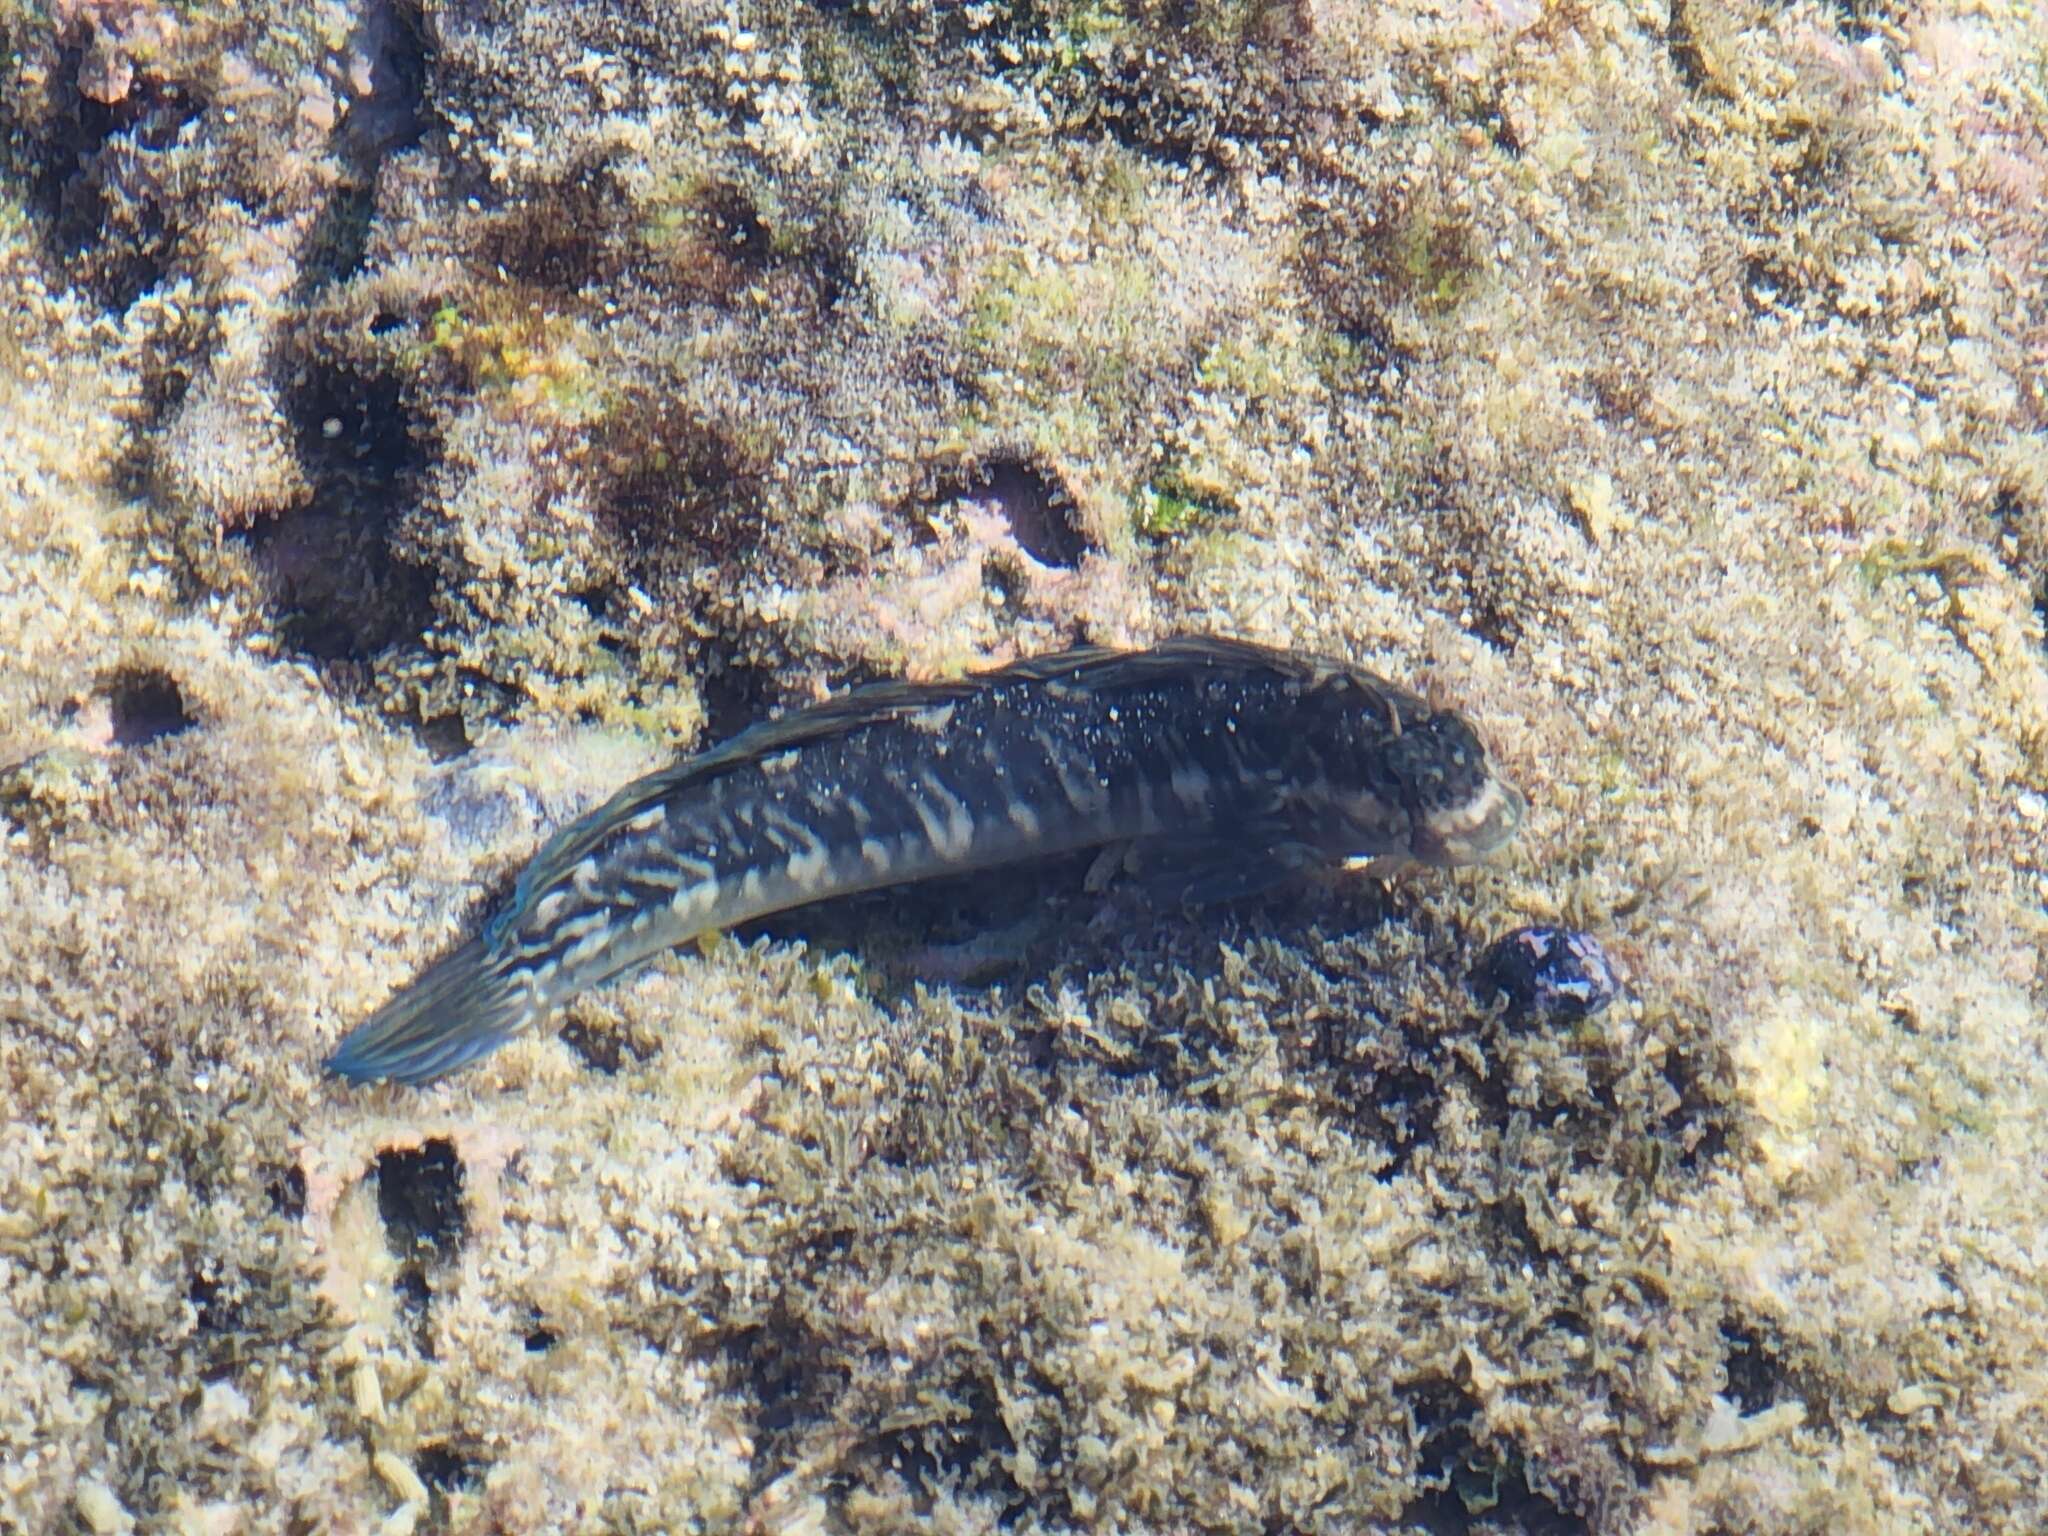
(2006, 508)
(145, 704)
(739, 227)
(1755, 1379)
(600, 604)
(540, 1339)
(81, 166)
(340, 591)
(395, 114)
(356, 436)
(444, 736)
(442, 1466)
(1502, 132)
(1766, 285)
(1032, 501)
(419, 1195)
(816, 255)
(413, 1293)
(216, 1304)
(2022, 543)
(738, 690)
(287, 1192)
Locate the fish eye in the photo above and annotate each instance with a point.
(1438, 763)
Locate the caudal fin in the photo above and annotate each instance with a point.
(464, 1006)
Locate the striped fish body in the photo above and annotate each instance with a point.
(1236, 751)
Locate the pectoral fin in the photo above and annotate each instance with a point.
(1212, 871)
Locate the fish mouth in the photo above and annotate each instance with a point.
(1464, 833)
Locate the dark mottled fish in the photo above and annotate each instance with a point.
(1228, 766)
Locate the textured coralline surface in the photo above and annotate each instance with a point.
(420, 418)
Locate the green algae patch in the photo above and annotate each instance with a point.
(1176, 501)
(511, 347)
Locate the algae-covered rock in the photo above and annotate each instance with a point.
(420, 419)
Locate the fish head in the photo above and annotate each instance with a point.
(1459, 810)
(1396, 781)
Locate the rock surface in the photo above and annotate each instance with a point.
(415, 421)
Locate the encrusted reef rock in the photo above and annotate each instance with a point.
(418, 419)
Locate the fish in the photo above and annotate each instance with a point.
(1217, 766)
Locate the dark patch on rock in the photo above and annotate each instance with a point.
(419, 1196)
(145, 705)
(330, 567)
(447, 1468)
(1033, 500)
